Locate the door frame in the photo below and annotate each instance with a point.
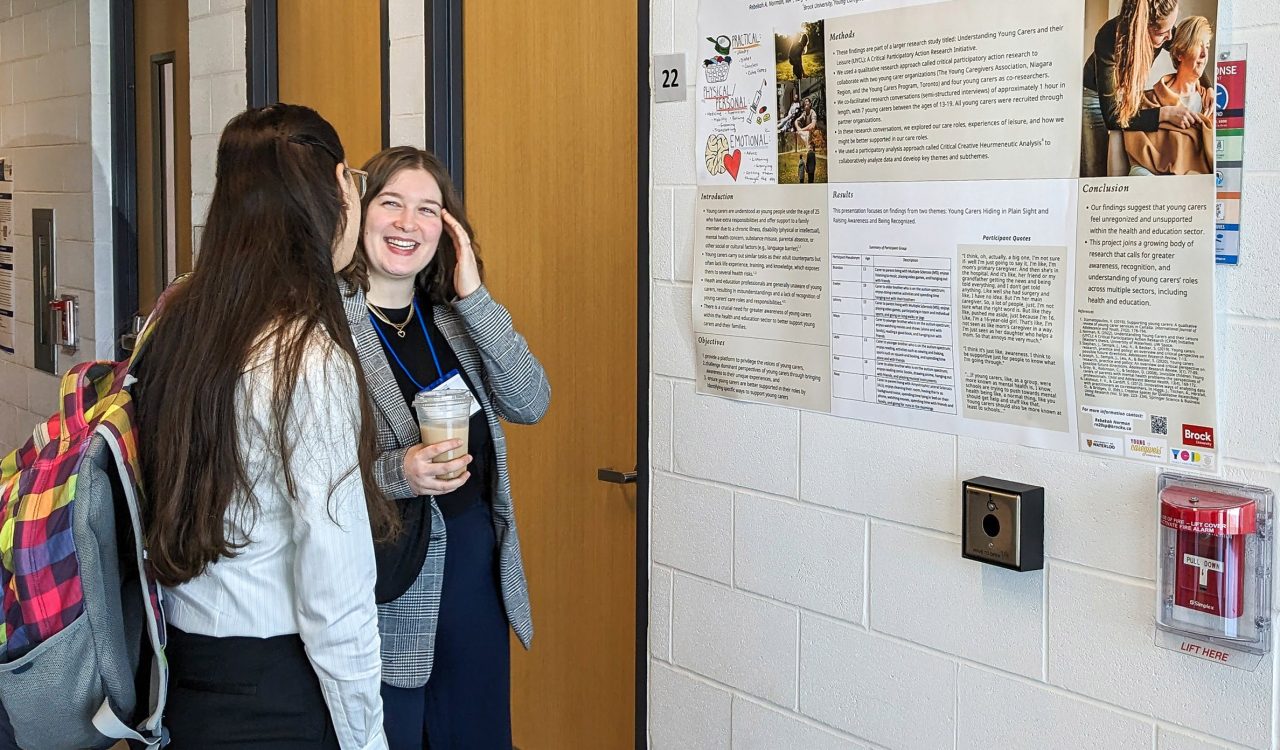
(124, 172)
(642, 374)
(159, 217)
(445, 103)
(445, 137)
(261, 54)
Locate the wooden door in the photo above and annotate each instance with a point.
(329, 56)
(163, 122)
(550, 159)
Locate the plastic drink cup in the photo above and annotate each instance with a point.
(444, 414)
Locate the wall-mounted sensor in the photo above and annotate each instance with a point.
(1002, 523)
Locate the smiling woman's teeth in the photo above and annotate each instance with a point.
(402, 245)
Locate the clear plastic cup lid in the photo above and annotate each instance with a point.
(443, 397)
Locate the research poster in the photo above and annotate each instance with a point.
(1230, 123)
(8, 284)
(977, 217)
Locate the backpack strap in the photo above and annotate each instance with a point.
(150, 730)
(153, 316)
(109, 725)
(77, 384)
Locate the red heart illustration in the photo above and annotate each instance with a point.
(732, 162)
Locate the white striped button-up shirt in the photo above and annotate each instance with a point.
(309, 566)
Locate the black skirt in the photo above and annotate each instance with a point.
(247, 693)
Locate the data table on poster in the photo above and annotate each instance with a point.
(892, 328)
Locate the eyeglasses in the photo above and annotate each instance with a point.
(360, 178)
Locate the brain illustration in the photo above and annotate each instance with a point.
(717, 147)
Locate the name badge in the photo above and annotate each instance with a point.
(452, 380)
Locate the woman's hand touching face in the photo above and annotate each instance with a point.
(466, 273)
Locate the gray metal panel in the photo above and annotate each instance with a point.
(46, 279)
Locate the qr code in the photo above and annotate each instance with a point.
(1159, 425)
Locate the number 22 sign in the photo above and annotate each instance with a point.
(669, 78)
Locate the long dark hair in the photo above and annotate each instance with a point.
(263, 278)
(435, 281)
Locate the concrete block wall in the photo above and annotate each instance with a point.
(807, 589)
(407, 63)
(219, 90)
(55, 118)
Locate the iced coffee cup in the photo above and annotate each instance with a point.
(444, 414)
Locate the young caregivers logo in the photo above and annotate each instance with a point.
(1146, 449)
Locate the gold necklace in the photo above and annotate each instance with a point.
(398, 327)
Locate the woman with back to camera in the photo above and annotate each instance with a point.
(1171, 149)
(256, 443)
(1115, 76)
(795, 56)
(453, 584)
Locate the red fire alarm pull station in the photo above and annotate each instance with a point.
(1215, 567)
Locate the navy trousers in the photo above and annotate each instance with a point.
(466, 703)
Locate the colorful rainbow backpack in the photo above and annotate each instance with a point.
(80, 607)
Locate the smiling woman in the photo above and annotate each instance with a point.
(409, 201)
(402, 226)
(428, 323)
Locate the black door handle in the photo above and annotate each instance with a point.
(613, 476)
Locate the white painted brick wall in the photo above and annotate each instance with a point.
(999, 711)
(873, 687)
(661, 403)
(796, 554)
(1169, 739)
(835, 518)
(735, 638)
(693, 528)
(406, 21)
(901, 475)
(55, 128)
(219, 90)
(1100, 647)
(689, 713)
(660, 583)
(984, 614)
(757, 726)
(672, 335)
(753, 445)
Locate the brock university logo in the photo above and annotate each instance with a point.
(1197, 435)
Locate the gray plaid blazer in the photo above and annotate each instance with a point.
(515, 388)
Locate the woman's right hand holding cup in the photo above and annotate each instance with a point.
(423, 473)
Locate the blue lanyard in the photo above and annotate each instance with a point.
(430, 346)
